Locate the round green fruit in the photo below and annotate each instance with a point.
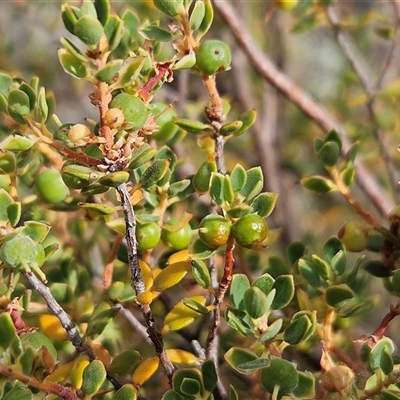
(148, 235)
(176, 239)
(353, 236)
(213, 56)
(134, 110)
(50, 186)
(214, 230)
(250, 231)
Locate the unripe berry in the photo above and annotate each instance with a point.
(337, 379)
(250, 231)
(213, 56)
(214, 230)
(176, 239)
(148, 235)
(114, 118)
(353, 236)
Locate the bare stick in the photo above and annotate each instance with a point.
(301, 99)
(137, 280)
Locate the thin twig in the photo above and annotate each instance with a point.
(47, 387)
(301, 99)
(137, 280)
(135, 323)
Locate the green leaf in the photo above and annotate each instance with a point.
(306, 386)
(114, 31)
(336, 296)
(16, 143)
(19, 102)
(200, 251)
(178, 187)
(209, 374)
(386, 362)
(384, 345)
(188, 383)
(99, 322)
(154, 173)
(197, 15)
(264, 282)
(329, 154)
(8, 163)
(14, 213)
(335, 254)
(107, 73)
(207, 19)
(172, 395)
(201, 273)
(89, 29)
(377, 268)
(24, 87)
(238, 177)
(88, 8)
(5, 201)
(154, 32)
(231, 128)
(281, 373)
(131, 22)
(284, 285)
(232, 391)
(272, 330)
(169, 7)
(254, 183)
(93, 377)
(255, 302)
(19, 393)
(7, 331)
(201, 180)
(351, 154)
(237, 356)
(310, 273)
(72, 65)
(318, 184)
(190, 126)
(240, 321)
(195, 305)
(386, 394)
(333, 136)
(217, 187)
(5, 83)
(296, 331)
(124, 362)
(141, 156)
(227, 190)
(348, 175)
(321, 266)
(126, 392)
(248, 118)
(103, 10)
(295, 251)
(264, 204)
(43, 106)
(239, 285)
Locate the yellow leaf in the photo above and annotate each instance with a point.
(52, 328)
(181, 315)
(145, 370)
(179, 356)
(182, 255)
(145, 297)
(171, 275)
(61, 373)
(79, 365)
(147, 274)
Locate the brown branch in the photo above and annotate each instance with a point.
(47, 387)
(386, 320)
(137, 280)
(301, 99)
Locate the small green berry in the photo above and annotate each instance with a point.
(214, 230)
(353, 236)
(134, 110)
(250, 231)
(148, 235)
(213, 56)
(178, 239)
